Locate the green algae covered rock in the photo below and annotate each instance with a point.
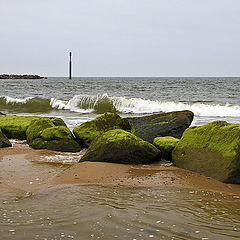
(36, 128)
(4, 142)
(43, 134)
(162, 124)
(212, 149)
(166, 146)
(16, 126)
(119, 146)
(86, 132)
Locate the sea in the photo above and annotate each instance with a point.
(128, 213)
(82, 99)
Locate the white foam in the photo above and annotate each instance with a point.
(138, 105)
(17, 100)
(87, 103)
(71, 105)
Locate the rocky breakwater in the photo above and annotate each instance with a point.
(212, 150)
(25, 76)
(161, 125)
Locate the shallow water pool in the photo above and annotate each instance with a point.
(96, 212)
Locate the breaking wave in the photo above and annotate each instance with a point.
(104, 103)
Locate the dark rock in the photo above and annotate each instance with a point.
(43, 134)
(161, 125)
(4, 142)
(212, 150)
(166, 146)
(119, 146)
(86, 132)
(2, 113)
(58, 121)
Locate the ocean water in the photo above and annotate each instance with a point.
(95, 212)
(82, 99)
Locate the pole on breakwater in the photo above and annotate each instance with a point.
(70, 65)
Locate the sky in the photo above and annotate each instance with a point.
(162, 38)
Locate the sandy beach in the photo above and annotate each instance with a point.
(23, 173)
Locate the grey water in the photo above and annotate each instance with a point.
(81, 99)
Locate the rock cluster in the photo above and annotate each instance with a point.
(212, 149)
(25, 76)
(40, 132)
(44, 133)
(88, 131)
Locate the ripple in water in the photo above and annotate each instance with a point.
(93, 212)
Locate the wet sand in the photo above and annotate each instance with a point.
(23, 174)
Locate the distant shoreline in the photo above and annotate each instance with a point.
(25, 76)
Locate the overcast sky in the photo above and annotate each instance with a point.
(120, 37)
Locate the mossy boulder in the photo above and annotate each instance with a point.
(161, 125)
(36, 127)
(16, 126)
(166, 146)
(119, 146)
(212, 150)
(4, 142)
(86, 132)
(43, 134)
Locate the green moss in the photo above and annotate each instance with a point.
(16, 126)
(55, 133)
(212, 149)
(42, 134)
(86, 132)
(166, 146)
(216, 136)
(36, 128)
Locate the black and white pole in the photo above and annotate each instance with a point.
(70, 65)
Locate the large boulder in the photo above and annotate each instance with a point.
(86, 132)
(16, 126)
(4, 142)
(43, 134)
(161, 125)
(119, 146)
(166, 146)
(212, 149)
